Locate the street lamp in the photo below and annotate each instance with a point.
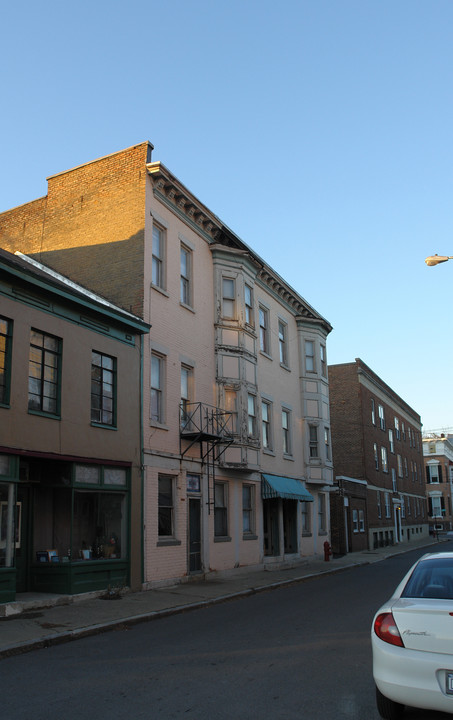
(437, 259)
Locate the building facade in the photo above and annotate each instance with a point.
(70, 426)
(378, 461)
(438, 461)
(237, 450)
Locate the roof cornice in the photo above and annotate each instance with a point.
(169, 190)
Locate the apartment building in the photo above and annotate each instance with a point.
(236, 429)
(70, 419)
(378, 462)
(438, 461)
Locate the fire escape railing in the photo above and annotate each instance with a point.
(203, 423)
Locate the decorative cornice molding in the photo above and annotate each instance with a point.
(178, 198)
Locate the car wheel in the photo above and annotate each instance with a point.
(388, 709)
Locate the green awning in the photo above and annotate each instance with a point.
(276, 486)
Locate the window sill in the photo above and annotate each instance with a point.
(307, 534)
(286, 456)
(39, 413)
(155, 424)
(187, 307)
(168, 542)
(160, 290)
(104, 427)
(5, 405)
(223, 538)
(286, 367)
(268, 451)
(265, 354)
(322, 532)
(249, 536)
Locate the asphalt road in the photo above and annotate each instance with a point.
(298, 652)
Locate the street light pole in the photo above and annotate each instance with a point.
(437, 259)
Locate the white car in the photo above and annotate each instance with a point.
(412, 640)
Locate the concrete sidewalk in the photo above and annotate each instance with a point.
(40, 620)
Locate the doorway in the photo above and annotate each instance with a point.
(194, 560)
(23, 550)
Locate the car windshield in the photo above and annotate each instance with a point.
(431, 579)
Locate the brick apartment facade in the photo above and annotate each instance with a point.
(378, 462)
(438, 461)
(237, 462)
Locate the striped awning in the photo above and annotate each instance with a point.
(277, 486)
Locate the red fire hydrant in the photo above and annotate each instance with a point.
(327, 551)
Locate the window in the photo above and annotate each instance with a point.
(433, 474)
(186, 388)
(436, 506)
(228, 298)
(394, 488)
(309, 356)
(409, 432)
(381, 417)
(286, 431)
(361, 521)
(266, 424)
(355, 521)
(103, 388)
(6, 327)
(409, 511)
(186, 270)
(248, 296)
(373, 412)
(283, 342)
(322, 355)
(403, 432)
(248, 526)
(157, 388)
(379, 509)
(391, 443)
(44, 373)
(406, 470)
(327, 442)
(251, 415)
(399, 461)
(321, 512)
(158, 278)
(397, 429)
(232, 408)
(314, 450)
(403, 507)
(384, 462)
(387, 505)
(376, 456)
(264, 330)
(220, 510)
(166, 506)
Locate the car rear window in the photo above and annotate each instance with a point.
(431, 579)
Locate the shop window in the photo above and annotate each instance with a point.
(99, 525)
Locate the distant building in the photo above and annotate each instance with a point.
(70, 463)
(378, 462)
(237, 462)
(438, 460)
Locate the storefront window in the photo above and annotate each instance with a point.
(9, 524)
(99, 526)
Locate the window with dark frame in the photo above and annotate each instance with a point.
(283, 342)
(103, 388)
(186, 262)
(157, 388)
(266, 424)
(314, 449)
(220, 510)
(228, 298)
(166, 506)
(44, 373)
(264, 330)
(247, 509)
(248, 297)
(286, 431)
(5, 359)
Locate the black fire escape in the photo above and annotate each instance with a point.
(208, 427)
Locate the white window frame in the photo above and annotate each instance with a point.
(310, 365)
(384, 459)
(397, 429)
(158, 257)
(391, 441)
(381, 414)
(186, 392)
(186, 263)
(373, 412)
(248, 303)
(229, 298)
(376, 456)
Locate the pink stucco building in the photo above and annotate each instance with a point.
(236, 465)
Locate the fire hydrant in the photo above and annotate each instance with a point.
(327, 551)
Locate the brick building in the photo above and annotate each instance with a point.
(236, 430)
(378, 462)
(438, 460)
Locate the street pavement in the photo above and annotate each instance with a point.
(38, 620)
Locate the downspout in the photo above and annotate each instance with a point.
(142, 469)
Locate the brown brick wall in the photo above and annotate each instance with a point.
(93, 218)
(346, 421)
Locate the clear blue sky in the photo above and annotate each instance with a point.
(320, 131)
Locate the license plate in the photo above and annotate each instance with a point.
(449, 688)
